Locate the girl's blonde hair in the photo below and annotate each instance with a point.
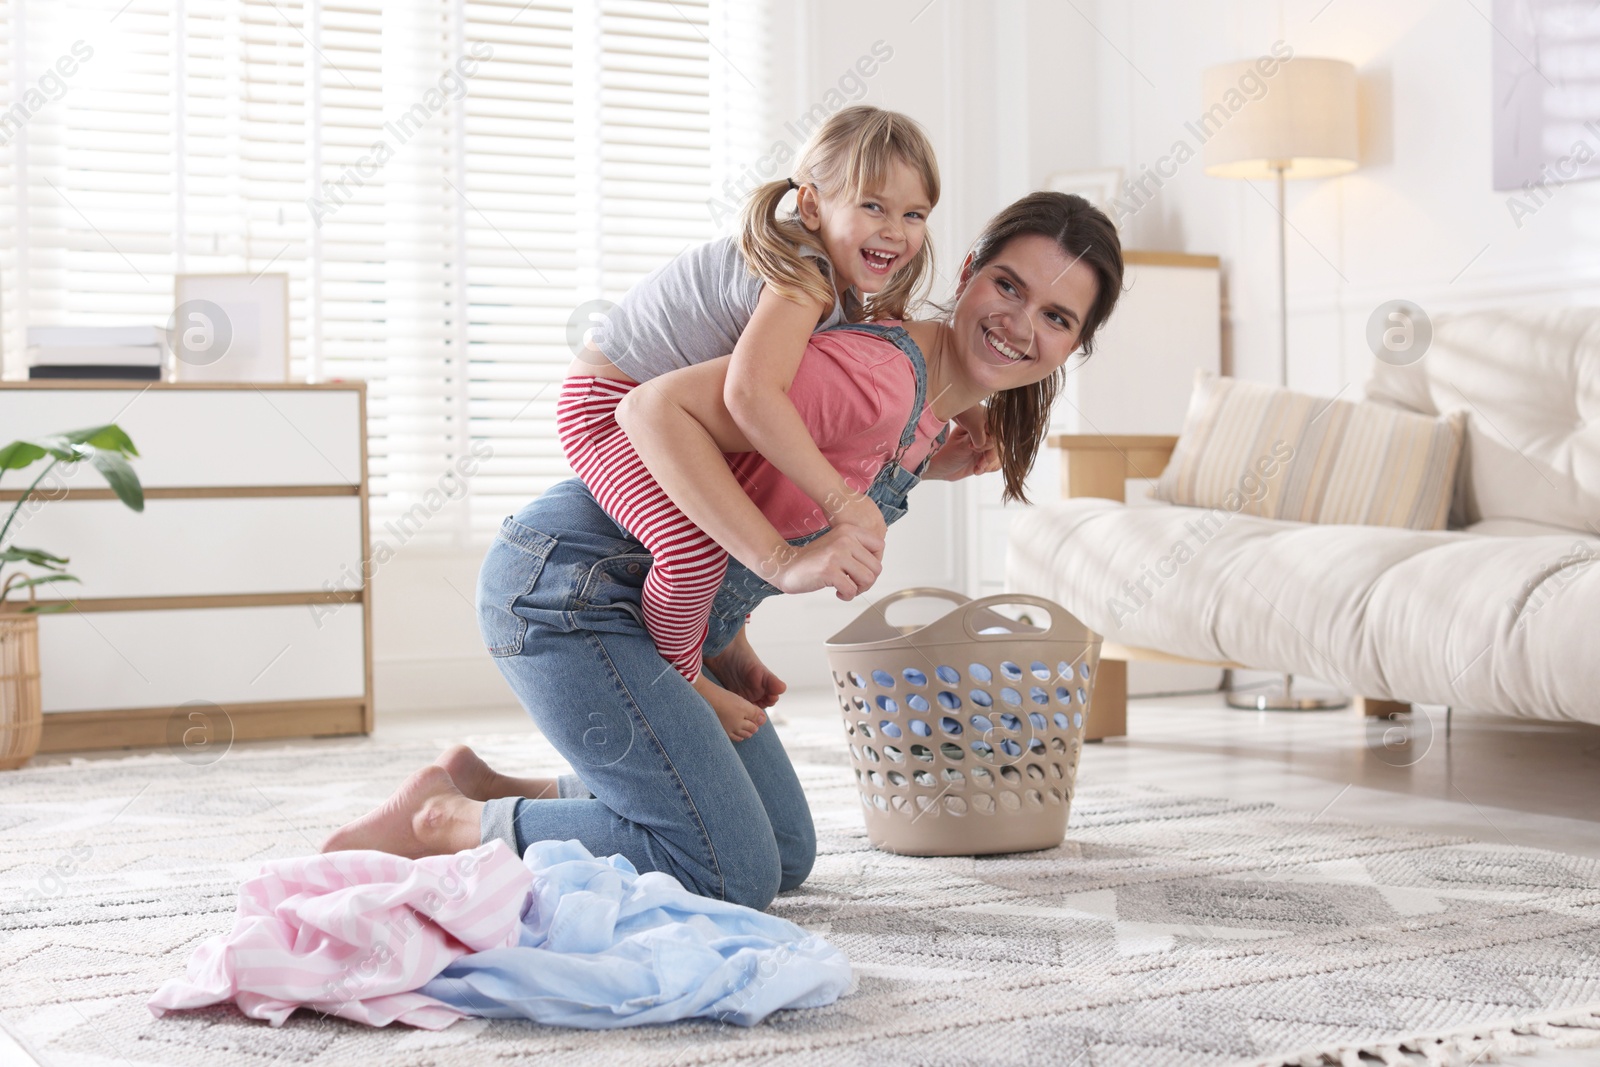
(850, 154)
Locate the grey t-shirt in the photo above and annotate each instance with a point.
(689, 311)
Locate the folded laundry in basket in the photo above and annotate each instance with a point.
(603, 946)
(560, 937)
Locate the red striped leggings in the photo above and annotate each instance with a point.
(689, 566)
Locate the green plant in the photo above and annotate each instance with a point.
(107, 449)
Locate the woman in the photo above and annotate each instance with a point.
(655, 777)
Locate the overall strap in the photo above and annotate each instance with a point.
(938, 443)
(919, 369)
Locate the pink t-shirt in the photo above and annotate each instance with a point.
(854, 391)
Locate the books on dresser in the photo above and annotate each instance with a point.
(124, 353)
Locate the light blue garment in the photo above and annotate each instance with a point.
(603, 946)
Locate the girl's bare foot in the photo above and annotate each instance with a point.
(479, 781)
(739, 718)
(426, 816)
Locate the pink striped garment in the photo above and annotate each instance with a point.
(688, 566)
(353, 933)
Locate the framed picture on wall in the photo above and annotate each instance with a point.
(1546, 112)
(1099, 187)
(230, 328)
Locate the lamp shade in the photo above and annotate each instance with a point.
(1303, 121)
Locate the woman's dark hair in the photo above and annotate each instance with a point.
(1019, 418)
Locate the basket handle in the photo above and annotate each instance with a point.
(1059, 616)
(873, 622)
(880, 607)
(929, 591)
(5, 590)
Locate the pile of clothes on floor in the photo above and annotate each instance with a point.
(558, 937)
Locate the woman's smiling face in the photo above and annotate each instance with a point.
(1018, 319)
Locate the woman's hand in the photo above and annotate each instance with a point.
(741, 672)
(846, 559)
(964, 456)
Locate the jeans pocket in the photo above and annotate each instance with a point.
(510, 570)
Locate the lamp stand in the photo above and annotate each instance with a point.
(1283, 281)
(1281, 697)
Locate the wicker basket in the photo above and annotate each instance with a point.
(21, 719)
(965, 733)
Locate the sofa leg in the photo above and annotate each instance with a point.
(1374, 708)
(1108, 715)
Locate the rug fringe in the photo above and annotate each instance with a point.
(1483, 1043)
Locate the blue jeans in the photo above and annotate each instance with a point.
(657, 779)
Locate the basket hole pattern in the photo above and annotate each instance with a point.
(981, 758)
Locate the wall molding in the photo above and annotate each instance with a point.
(1575, 287)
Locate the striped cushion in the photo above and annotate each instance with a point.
(1267, 451)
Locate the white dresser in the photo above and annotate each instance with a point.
(238, 601)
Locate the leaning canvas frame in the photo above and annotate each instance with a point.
(256, 307)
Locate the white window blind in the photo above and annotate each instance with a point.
(444, 182)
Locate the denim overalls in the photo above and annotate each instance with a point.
(743, 589)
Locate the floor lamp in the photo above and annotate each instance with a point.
(1301, 125)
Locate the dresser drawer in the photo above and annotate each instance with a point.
(206, 436)
(138, 659)
(201, 547)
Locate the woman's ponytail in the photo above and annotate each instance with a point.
(1018, 421)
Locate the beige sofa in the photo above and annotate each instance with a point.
(1500, 613)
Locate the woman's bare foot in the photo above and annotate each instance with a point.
(426, 816)
(479, 781)
(740, 718)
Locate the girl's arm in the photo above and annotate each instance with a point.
(756, 394)
(681, 429)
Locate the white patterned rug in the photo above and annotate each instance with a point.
(1167, 930)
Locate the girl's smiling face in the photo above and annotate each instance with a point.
(869, 237)
(1018, 319)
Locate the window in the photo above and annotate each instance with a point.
(444, 181)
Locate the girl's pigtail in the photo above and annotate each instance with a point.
(769, 246)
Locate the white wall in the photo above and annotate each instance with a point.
(426, 652)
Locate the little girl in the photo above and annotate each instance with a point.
(856, 248)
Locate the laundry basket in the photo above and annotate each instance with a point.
(965, 733)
